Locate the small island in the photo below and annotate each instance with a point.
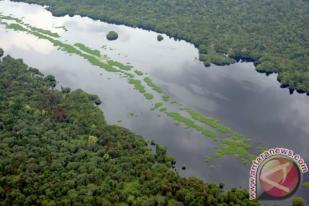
(160, 37)
(112, 35)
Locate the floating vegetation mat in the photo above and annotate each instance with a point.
(230, 143)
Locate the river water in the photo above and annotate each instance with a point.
(250, 103)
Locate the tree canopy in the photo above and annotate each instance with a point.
(272, 34)
(160, 37)
(57, 149)
(112, 35)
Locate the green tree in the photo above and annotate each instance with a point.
(56, 149)
(112, 35)
(272, 34)
(160, 37)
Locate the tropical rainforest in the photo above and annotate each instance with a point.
(57, 149)
(272, 34)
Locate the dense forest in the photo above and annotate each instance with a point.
(56, 149)
(272, 34)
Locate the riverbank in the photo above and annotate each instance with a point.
(223, 35)
(62, 152)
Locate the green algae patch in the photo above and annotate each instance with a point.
(237, 146)
(260, 149)
(44, 31)
(208, 121)
(148, 96)
(120, 65)
(208, 133)
(10, 18)
(88, 55)
(91, 55)
(208, 158)
(191, 124)
(157, 105)
(96, 61)
(165, 98)
(163, 109)
(61, 27)
(139, 73)
(306, 185)
(137, 85)
(153, 86)
(88, 50)
(16, 27)
(129, 75)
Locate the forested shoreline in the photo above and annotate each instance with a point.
(56, 149)
(272, 34)
(236, 145)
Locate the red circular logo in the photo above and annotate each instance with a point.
(279, 177)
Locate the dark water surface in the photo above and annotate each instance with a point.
(239, 97)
